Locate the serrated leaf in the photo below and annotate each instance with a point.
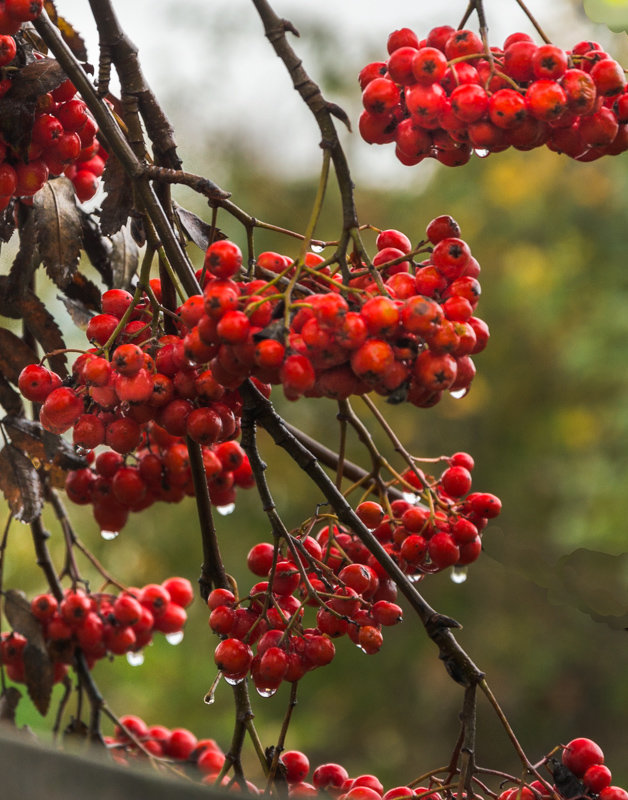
(58, 229)
(38, 667)
(10, 400)
(78, 312)
(15, 354)
(83, 291)
(97, 247)
(38, 676)
(35, 79)
(31, 438)
(9, 700)
(20, 484)
(17, 610)
(26, 261)
(7, 222)
(42, 325)
(7, 300)
(118, 204)
(125, 257)
(196, 229)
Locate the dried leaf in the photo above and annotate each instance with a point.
(17, 609)
(7, 222)
(97, 248)
(10, 400)
(51, 10)
(125, 257)
(72, 38)
(42, 325)
(118, 204)
(7, 300)
(37, 664)
(9, 700)
(15, 354)
(39, 676)
(26, 261)
(20, 484)
(31, 438)
(83, 291)
(196, 229)
(58, 229)
(78, 312)
(35, 79)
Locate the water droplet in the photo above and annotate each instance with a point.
(359, 646)
(480, 153)
(210, 696)
(109, 535)
(410, 498)
(316, 248)
(233, 681)
(174, 638)
(226, 510)
(458, 574)
(135, 659)
(265, 692)
(457, 395)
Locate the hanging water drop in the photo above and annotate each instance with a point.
(210, 695)
(135, 659)
(174, 638)
(317, 248)
(233, 681)
(458, 394)
(481, 153)
(265, 692)
(109, 535)
(226, 510)
(458, 574)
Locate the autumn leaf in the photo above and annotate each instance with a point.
(20, 484)
(58, 229)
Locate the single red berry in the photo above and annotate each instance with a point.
(580, 754)
(223, 259)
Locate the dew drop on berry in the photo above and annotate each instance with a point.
(458, 574)
(233, 681)
(458, 394)
(226, 510)
(265, 692)
(174, 638)
(109, 535)
(481, 153)
(135, 659)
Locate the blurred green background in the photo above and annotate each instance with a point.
(545, 608)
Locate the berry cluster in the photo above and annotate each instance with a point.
(133, 739)
(581, 771)
(445, 97)
(100, 624)
(443, 530)
(406, 330)
(62, 140)
(140, 403)
(336, 574)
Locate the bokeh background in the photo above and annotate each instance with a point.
(545, 609)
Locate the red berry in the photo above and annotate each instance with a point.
(580, 754)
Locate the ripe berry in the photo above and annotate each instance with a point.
(580, 754)
(223, 259)
(233, 656)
